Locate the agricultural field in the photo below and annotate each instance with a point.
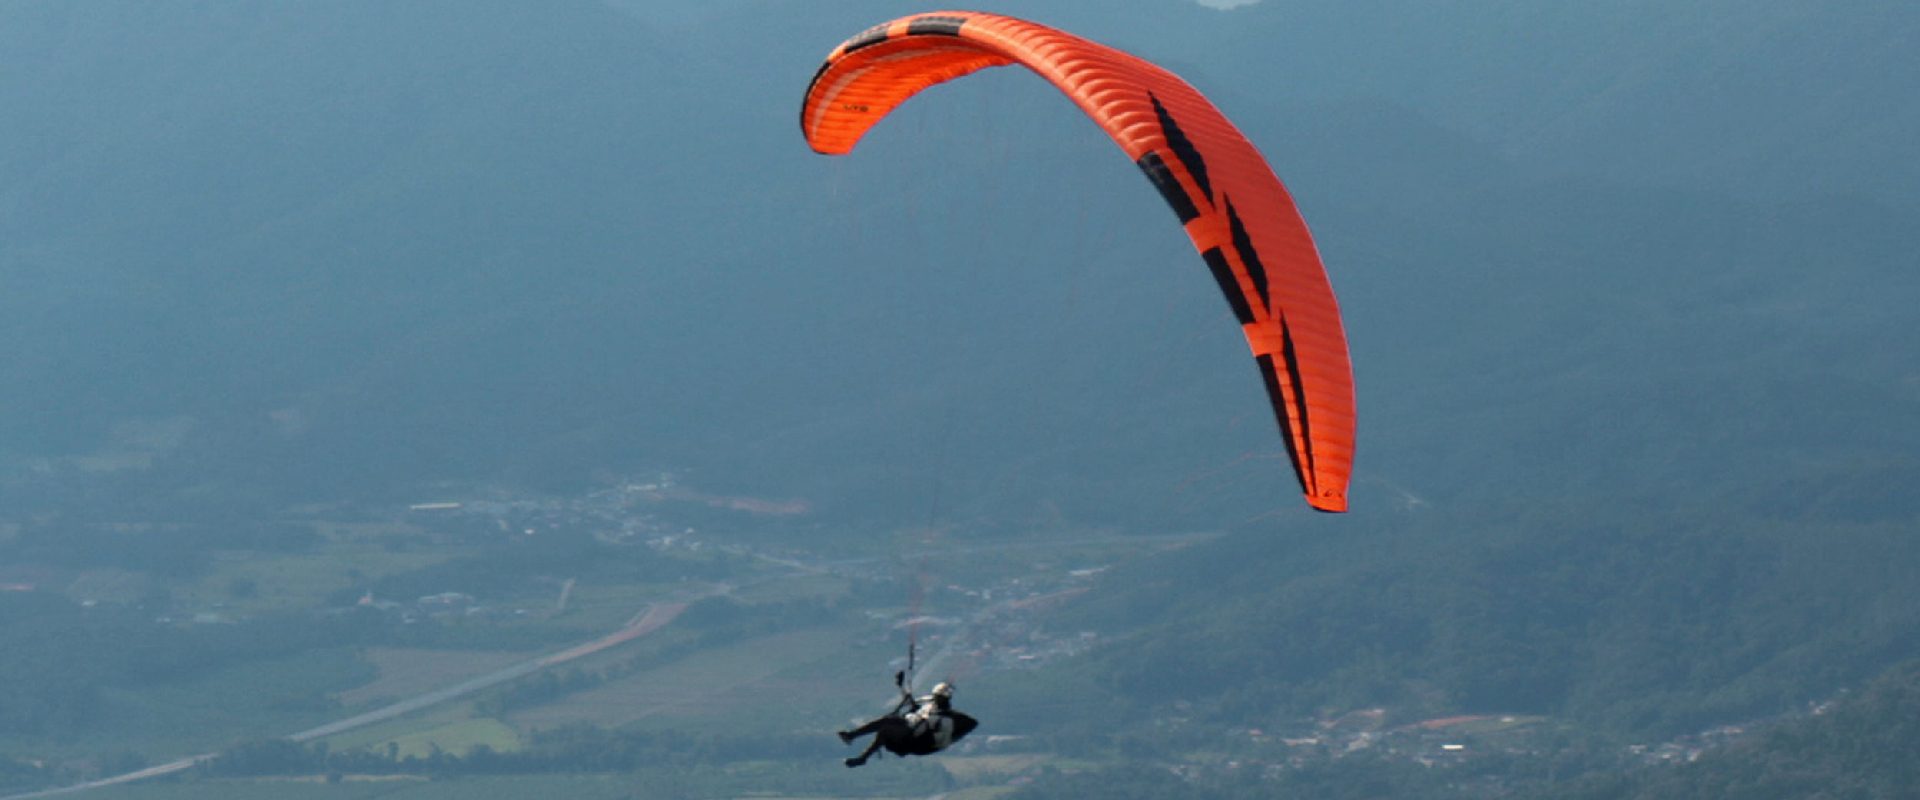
(459, 640)
(459, 738)
(643, 786)
(755, 679)
(367, 788)
(243, 582)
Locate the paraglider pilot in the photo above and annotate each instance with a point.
(915, 727)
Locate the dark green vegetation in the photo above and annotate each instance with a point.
(1640, 629)
(83, 675)
(1629, 289)
(1860, 747)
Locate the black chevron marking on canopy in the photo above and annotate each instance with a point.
(867, 38)
(1229, 286)
(935, 26)
(1243, 244)
(1298, 382)
(1272, 377)
(1183, 148)
(1169, 186)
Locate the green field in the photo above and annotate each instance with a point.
(790, 649)
(299, 580)
(783, 781)
(592, 787)
(248, 700)
(798, 587)
(600, 607)
(980, 793)
(709, 688)
(973, 768)
(457, 738)
(445, 726)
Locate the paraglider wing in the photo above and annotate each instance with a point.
(1235, 210)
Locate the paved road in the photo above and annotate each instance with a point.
(649, 620)
(653, 618)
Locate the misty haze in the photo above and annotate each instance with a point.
(501, 399)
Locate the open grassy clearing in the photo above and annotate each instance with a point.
(297, 580)
(572, 787)
(979, 793)
(380, 733)
(790, 589)
(180, 723)
(602, 607)
(418, 671)
(757, 784)
(975, 768)
(236, 789)
(368, 531)
(716, 682)
(457, 738)
(824, 676)
(256, 699)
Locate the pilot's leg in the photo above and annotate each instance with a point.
(847, 737)
(866, 754)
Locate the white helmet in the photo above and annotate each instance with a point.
(943, 690)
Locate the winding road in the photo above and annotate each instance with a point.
(651, 619)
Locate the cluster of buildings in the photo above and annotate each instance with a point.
(442, 606)
(627, 512)
(1689, 747)
(1435, 743)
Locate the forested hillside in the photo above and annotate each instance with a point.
(509, 242)
(1629, 290)
(1860, 746)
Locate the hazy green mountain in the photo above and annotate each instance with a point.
(1766, 100)
(1628, 287)
(1860, 746)
(375, 245)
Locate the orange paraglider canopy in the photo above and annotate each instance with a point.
(1235, 210)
